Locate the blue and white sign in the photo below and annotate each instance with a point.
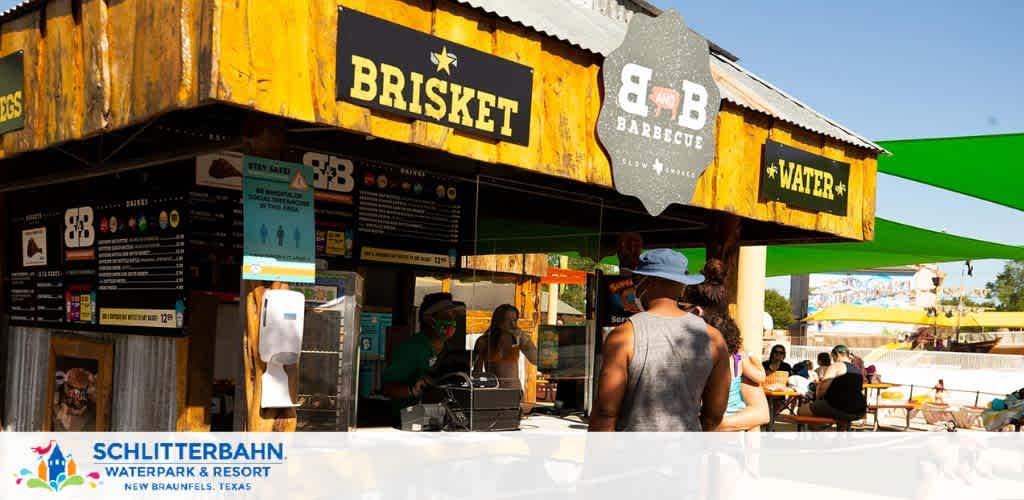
(280, 239)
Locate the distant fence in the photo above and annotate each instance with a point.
(922, 359)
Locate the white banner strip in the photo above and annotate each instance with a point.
(476, 466)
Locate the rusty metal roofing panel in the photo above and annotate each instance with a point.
(583, 27)
(144, 372)
(28, 359)
(19, 8)
(590, 30)
(745, 89)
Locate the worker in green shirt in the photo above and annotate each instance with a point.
(406, 376)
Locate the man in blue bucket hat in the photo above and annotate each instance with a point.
(664, 369)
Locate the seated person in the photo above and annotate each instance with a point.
(776, 361)
(406, 376)
(824, 361)
(803, 369)
(497, 351)
(840, 393)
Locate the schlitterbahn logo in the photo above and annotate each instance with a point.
(390, 67)
(658, 118)
(54, 471)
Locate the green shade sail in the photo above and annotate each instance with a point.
(989, 167)
(895, 244)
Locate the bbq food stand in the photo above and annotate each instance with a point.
(485, 124)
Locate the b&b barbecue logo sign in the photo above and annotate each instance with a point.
(804, 180)
(386, 66)
(658, 118)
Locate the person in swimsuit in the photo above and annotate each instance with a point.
(498, 350)
(747, 409)
(840, 394)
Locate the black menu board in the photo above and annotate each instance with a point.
(36, 280)
(141, 261)
(215, 239)
(334, 203)
(113, 264)
(410, 216)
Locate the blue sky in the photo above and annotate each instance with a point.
(891, 70)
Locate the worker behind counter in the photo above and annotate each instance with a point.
(406, 377)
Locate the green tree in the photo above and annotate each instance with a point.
(968, 302)
(1008, 288)
(778, 307)
(574, 295)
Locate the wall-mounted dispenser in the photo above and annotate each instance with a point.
(281, 323)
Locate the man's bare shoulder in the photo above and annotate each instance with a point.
(620, 334)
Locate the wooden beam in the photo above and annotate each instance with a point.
(723, 243)
(260, 419)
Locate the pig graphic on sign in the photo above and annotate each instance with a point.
(665, 98)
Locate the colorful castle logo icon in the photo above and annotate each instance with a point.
(54, 470)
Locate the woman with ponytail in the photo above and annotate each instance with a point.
(748, 406)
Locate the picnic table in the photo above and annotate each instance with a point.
(788, 396)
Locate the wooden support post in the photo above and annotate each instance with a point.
(723, 243)
(528, 301)
(750, 297)
(263, 419)
(744, 283)
(264, 136)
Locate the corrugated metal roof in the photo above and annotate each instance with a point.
(584, 28)
(589, 30)
(19, 8)
(745, 89)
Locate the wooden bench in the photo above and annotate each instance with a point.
(803, 422)
(907, 407)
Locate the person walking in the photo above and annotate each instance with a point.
(664, 369)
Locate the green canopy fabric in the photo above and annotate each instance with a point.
(987, 167)
(895, 244)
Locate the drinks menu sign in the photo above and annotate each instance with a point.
(117, 264)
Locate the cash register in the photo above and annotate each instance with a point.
(458, 401)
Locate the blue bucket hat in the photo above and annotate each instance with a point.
(667, 264)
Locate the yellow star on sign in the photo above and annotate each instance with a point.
(444, 61)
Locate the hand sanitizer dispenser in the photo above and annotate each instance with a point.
(280, 343)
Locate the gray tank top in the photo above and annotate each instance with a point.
(670, 367)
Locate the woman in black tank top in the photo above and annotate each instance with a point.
(840, 393)
(845, 393)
